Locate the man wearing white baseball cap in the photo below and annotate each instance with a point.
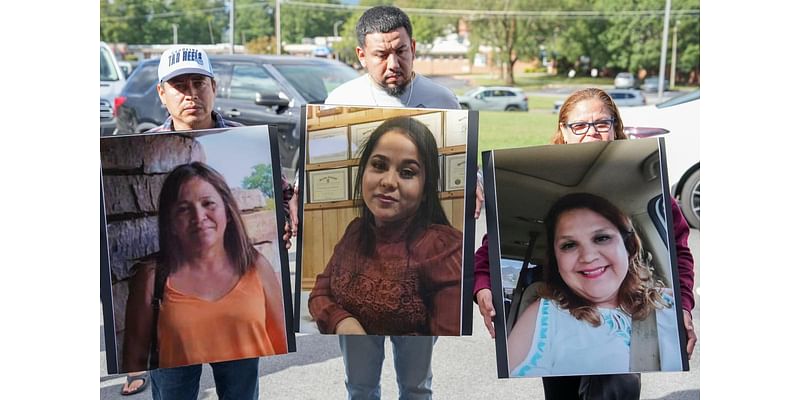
(187, 88)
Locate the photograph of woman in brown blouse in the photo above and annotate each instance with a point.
(397, 268)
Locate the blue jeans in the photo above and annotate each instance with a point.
(363, 359)
(234, 380)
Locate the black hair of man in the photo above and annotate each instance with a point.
(381, 19)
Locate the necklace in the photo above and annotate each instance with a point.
(404, 104)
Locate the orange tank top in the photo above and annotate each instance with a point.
(195, 331)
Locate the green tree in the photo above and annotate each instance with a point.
(132, 21)
(255, 21)
(299, 21)
(194, 17)
(260, 178)
(516, 37)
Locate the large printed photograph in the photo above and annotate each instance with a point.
(586, 278)
(384, 227)
(195, 267)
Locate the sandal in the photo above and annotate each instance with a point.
(133, 378)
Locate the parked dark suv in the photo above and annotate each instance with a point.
(252, 90)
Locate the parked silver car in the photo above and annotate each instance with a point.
(650, 84)
(625, 80)
(621, 97)
(499, 98)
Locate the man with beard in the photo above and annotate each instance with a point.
(386, 50)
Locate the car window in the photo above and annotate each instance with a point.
(617, 96)
(143, 79)
(506, 93)
(107, 70)
(249, 79)
(315, 81)
(680, 99)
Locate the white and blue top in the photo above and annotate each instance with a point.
(564, 345)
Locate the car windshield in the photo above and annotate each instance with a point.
(315, 81)
(680, 99)
(107, 70)
(473, 91)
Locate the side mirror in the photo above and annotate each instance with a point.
(272, 100)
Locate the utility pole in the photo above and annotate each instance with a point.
(664, 39)
(674, 54)
(278, 27)
(174, 33)
(210, 32)
(336, 28)
(232, 17)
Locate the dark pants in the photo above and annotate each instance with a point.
(596, 387)
(234, 380)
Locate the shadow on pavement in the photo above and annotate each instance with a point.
(682, 395)
(312, 349)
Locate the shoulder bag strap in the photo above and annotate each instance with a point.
(158, 294)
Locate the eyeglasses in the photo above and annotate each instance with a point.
(600, 126)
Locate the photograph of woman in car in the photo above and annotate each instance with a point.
(596, 285)
(397, 268)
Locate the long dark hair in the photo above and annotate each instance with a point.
(237, 244)
(430, 209)
(639, 293)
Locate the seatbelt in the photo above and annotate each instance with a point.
(644, 345)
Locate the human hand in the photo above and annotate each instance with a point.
(349, 326)
(479, 199)
(485, 306)
(287, 235)
(691, 335)
(293, 212)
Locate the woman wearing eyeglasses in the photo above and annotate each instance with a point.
(590, 115)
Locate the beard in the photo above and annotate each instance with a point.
(396, 91)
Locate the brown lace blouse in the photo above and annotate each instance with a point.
(395, 292)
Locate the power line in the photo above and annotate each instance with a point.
(477, 14)
(471, 14)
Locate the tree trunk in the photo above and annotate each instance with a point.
(509, 66)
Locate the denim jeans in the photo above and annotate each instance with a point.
(234, 380)
(363, 358)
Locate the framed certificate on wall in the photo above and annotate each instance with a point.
(327, 145)
(358, 136)
(434, 122)
(456, 128)
(328, 185)
(353, 176)
(454, 168)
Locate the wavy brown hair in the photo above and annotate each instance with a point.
(639, 294)
(237, 244)
(586, 94)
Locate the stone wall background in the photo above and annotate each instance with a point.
(134, 169)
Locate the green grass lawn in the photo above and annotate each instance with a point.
(532, 81)
(501, 130)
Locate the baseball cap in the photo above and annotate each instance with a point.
(183, 59)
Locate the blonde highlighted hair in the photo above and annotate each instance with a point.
(587, 94)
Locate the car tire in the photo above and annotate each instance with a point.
(512, 108)
(690, 199)
(464, 106)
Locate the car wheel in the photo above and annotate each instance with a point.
(690, 199)
(512, 108)
(464, 106)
